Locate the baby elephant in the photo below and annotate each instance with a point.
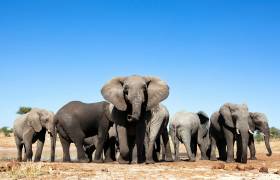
(29, 128)
(109, 147)
(192, 130)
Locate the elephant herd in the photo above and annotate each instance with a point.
(133, 124)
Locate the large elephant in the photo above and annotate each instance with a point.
(228, 125)
(76, 121)
(258, 121)
(191, 129)
(32, 127)
(133, 98)
(90, 144)
(157, 130)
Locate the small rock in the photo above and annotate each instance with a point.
(219, 166)
(263, 170)
(277, 172)
(249, 167)
(12, 165)
(240, 167)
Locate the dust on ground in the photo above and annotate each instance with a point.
(262, 168)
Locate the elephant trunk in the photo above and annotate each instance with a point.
(244, 147)
(53, 142)
(266, 140)
(136, 112)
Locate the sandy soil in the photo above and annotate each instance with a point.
(171, 170)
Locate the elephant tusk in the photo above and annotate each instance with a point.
(237, 131)
(250, 131)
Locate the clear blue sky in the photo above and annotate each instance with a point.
(209, 52)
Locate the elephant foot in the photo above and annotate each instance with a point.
(83, 160)
(229, 161)
(108, 160)
(204, 158)
(213, 159)
(122, 161)
(252, 158)
(177, 159)
(192, 160)
(150, 161)
(97, 161)
(169, 159)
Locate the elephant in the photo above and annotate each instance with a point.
(32, 127)
(76, 121)
(90, 144)
(133, 98)
(258, 121)
(156, 130)
(191, 129)
(228, 125)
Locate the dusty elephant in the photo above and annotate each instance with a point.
(157, 130)
(76, 121)
(191, 129)
(32, 127)
(258, 122)
(228, 125)
(133, 98)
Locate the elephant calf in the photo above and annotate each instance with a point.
(32, 127)
(90, 144)
(192, 130)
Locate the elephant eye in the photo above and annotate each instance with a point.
(125, 90)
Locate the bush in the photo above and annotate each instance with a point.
(274, 133)
(6, 131)
(23, 110)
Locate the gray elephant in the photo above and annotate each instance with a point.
(228, 125)
(157, 130)
(32, 127)
(191, 129)
(90, 144)
(76, 121)
(258, 122)
(133, 98)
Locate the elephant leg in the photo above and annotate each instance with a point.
(19, 148)
(252, 148)
(166, 155)
(194, 145)
(123, 145)
(187, 142)
(230, 145)
(24, 155)
(100, 145)
(65, 147)
(140, 138)
(89, 151)
(176, 144)
(222, 150)
(27, 140)
(239, 148)
(40, 145)
(151, 144)
(213, 156)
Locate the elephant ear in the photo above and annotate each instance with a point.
(33, 119)
(225, 111)
(157, 91)
(204, 123)
(112, 91)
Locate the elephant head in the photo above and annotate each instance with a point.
(203, 134)
(134, 94)
(260, 123)
(236, 119)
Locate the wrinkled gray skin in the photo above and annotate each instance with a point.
(191, 129)
(228, 125)
(157, 130)
(258, 122)
(76, 121)
(32, 127)
(90, 144)
(133, 98)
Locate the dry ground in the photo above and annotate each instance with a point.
(173, 170)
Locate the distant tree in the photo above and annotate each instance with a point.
(274, 132)
(6, 131)
(23, 110)
(258, 137)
